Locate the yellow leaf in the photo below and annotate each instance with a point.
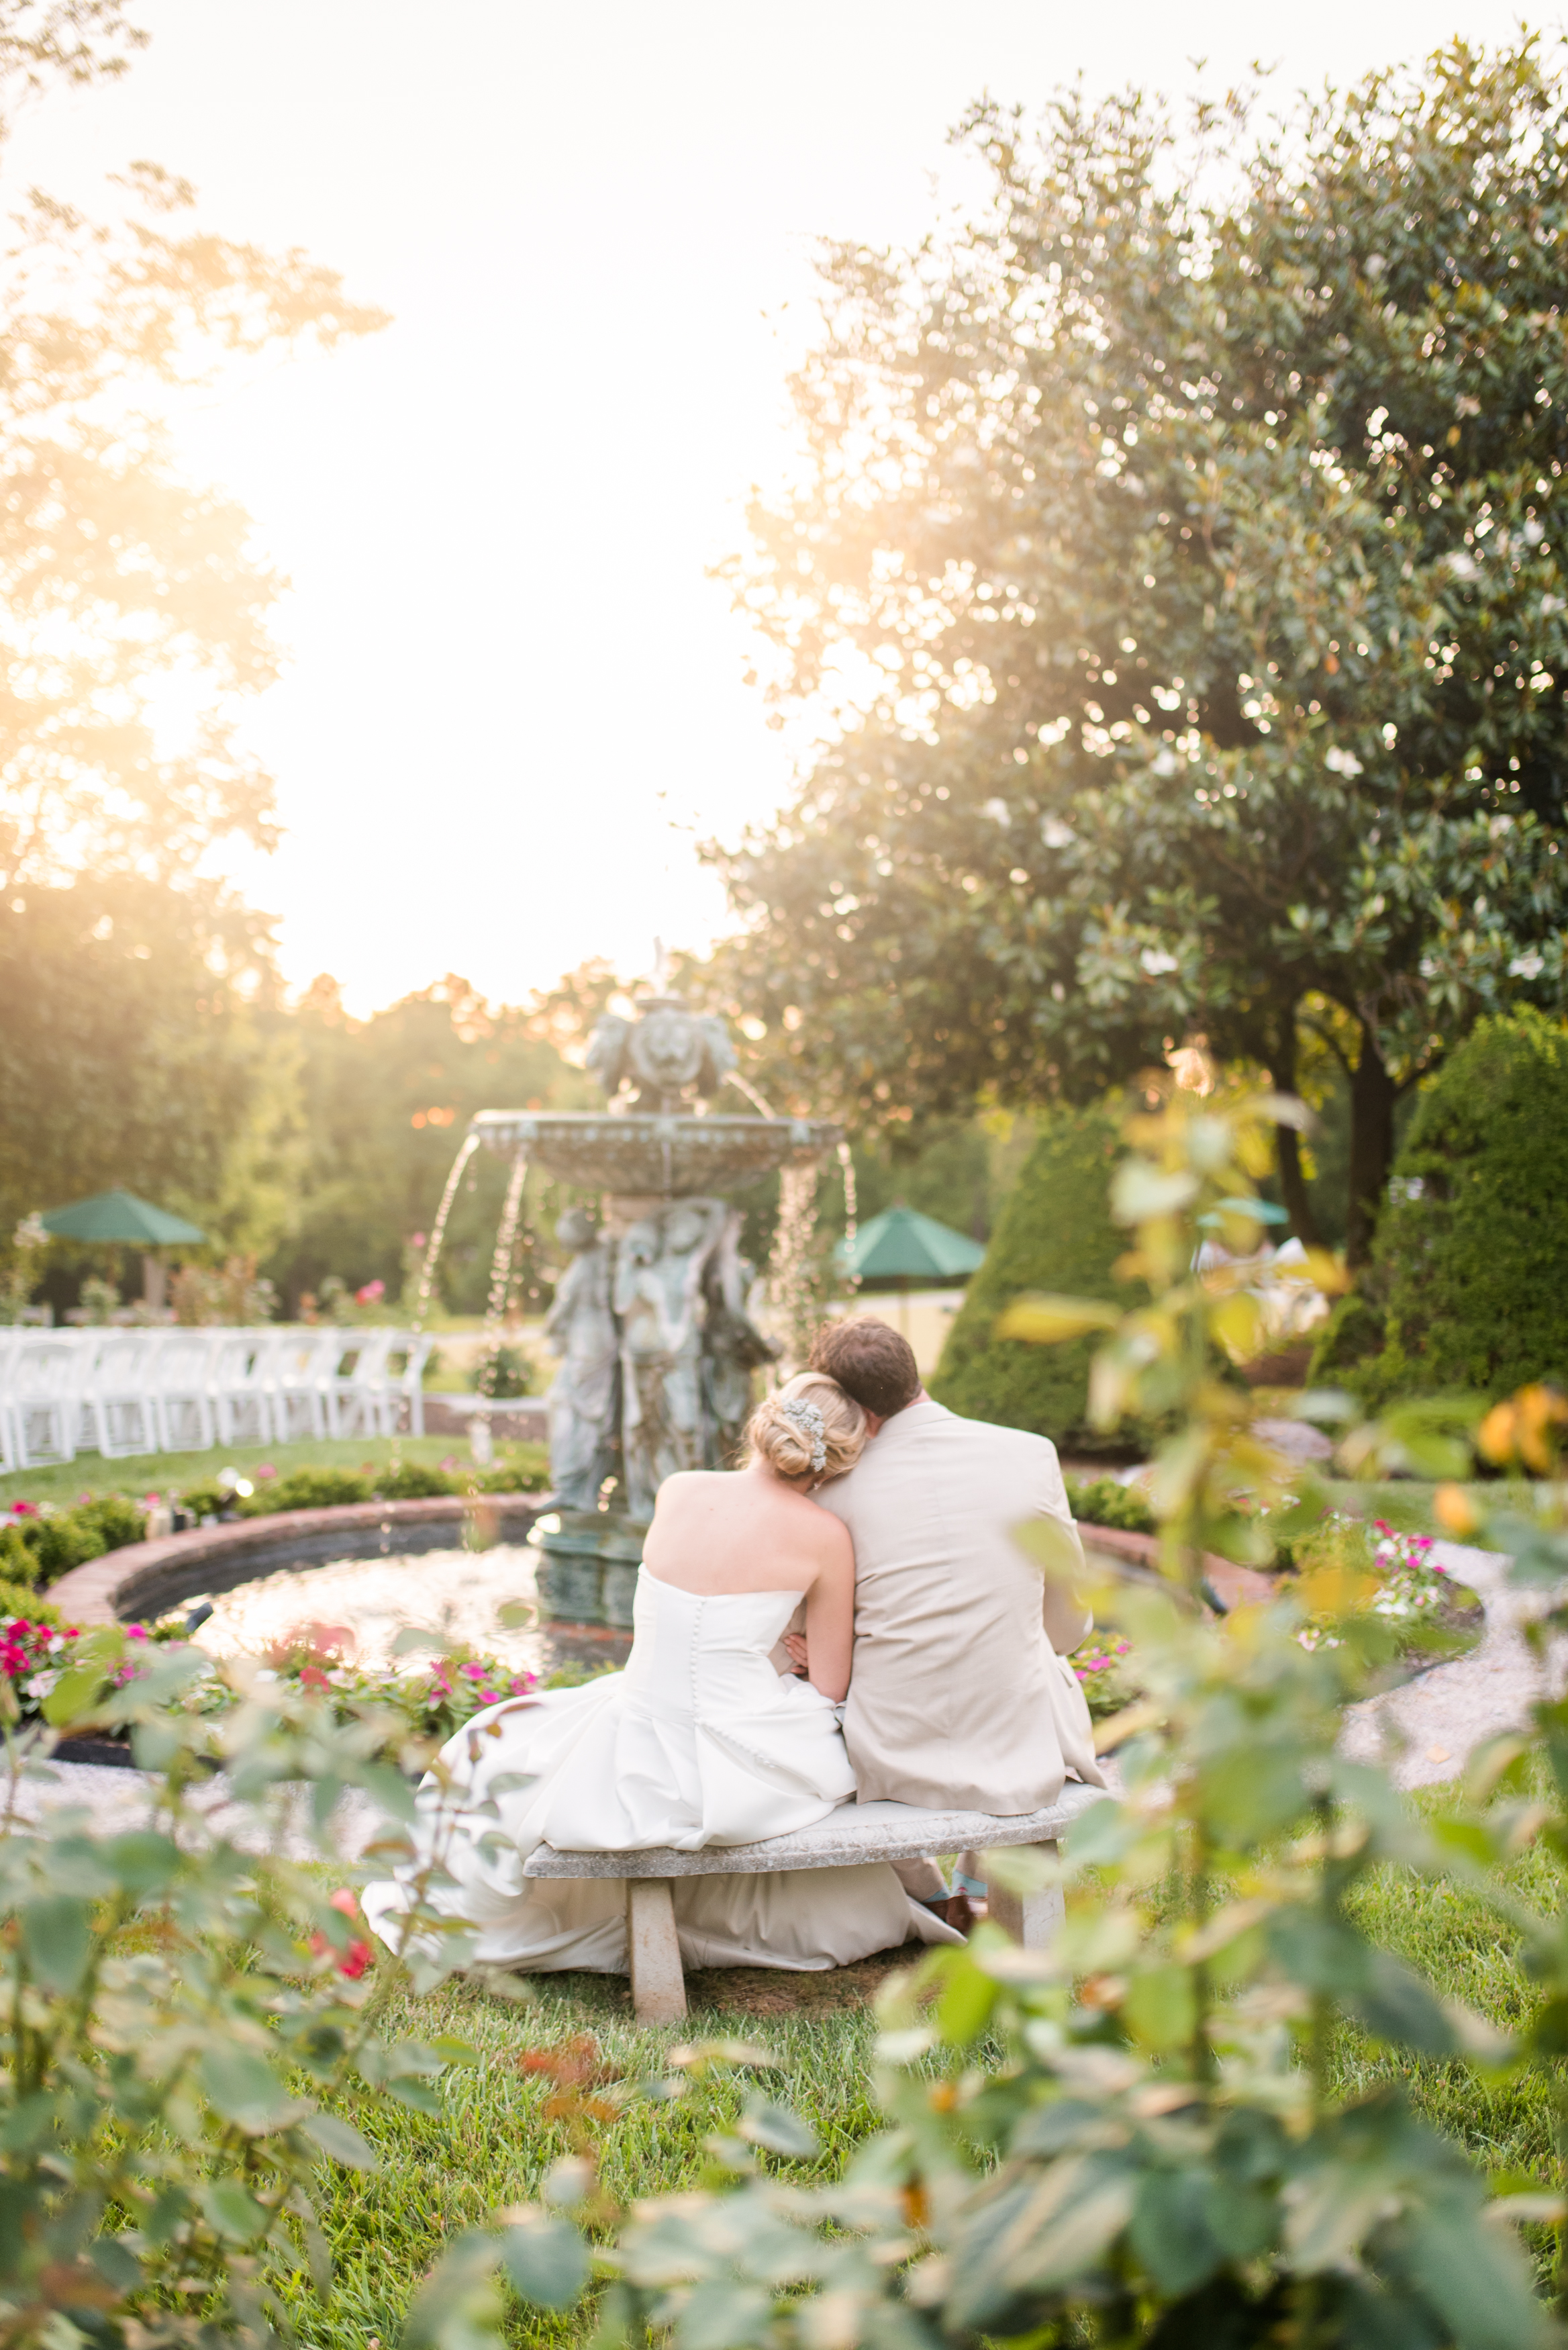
(1139, 1192)
(1455, 1512)
(1119, 1727)
(1238, 1325)
(1335, 1591)
(1047, 1321)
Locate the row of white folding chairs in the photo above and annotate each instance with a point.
(122, 1392)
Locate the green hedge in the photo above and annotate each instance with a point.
(1054, 1233)
(1467, 1288)
(40, 1550)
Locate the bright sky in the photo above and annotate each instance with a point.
(513, 698)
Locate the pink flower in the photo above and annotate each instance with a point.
(371, 1295)
(136, 1631)
(471, 1672)
(24, 1509)
(266, 1469)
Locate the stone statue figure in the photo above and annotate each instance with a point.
(581, 1331)
(667, 1053)
(735, 1346)
(659, 1301)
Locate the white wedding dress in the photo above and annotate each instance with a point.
(699, 1741)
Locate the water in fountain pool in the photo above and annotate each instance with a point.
(455, 1594)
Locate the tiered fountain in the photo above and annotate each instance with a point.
(656, 1348)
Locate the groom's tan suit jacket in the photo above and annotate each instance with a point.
(959, 1696)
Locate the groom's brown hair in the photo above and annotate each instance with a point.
(870, 1362)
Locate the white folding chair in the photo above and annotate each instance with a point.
(405, 1386)
(117, 1414)
(10, 1342)
(47, 1378)
(182, 1388)
(242, 1390)
(302, 1365)
(360, 1399)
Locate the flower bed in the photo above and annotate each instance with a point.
(40, 1544)
(414, 1710)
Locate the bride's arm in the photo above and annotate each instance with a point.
(830, 1613)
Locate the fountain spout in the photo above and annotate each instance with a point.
(651, 1323)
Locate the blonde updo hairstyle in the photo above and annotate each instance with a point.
(787, 1448)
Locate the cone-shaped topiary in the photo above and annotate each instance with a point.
(1470, 1267)
(1054, 1234)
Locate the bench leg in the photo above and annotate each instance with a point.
(1031, 1919)
(658, 1984)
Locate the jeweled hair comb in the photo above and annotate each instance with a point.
(810, 1423)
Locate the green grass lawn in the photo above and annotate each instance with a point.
(494, 2143)
(170, 1473)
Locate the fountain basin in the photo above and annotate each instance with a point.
(652, 1154)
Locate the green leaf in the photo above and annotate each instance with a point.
(778, 2130)
(75, 1695)
(116, 2263)
(1169, 2231)
(1161, 2006)
(1399, 2007)
(342, 2141)
(719, 2316)
(1477, 2277)
(969, 1995)
(234, 2210)
(546, 2260)
(243, 2088)
(57, 1941)
(143, 1861)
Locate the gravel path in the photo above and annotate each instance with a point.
(117, 1799)
(1426, 1730)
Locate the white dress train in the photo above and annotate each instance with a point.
(698, 1741)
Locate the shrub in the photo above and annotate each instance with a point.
(527, 1472)
(503, 1371)
(1101, 1502)
(42, 1548)
(411, 1481)
(193, 2022)
(307, 1489)
(21, 1605)
(1054, 1234)
(1469, 1265)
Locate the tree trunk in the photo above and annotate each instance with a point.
(1287, 1143)
(1372, 1098)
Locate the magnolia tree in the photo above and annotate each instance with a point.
(1175, 569)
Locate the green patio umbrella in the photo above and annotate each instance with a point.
(902, 1245)
(119, 1216)
(111, 1216)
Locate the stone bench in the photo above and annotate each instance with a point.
(849, 1836)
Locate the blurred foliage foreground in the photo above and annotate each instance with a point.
(1132, 2137)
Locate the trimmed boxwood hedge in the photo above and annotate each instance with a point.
(1467, 1288)
(1054, 1233)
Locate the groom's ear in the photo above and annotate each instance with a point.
(873, 1423)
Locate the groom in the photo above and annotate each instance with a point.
(960, 1694)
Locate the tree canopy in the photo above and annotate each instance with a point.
(115, 575)
(1176, 557)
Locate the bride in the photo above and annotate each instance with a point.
(699, 1741)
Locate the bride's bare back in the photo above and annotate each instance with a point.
(715, 1532)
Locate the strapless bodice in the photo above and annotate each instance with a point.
(695, 1652)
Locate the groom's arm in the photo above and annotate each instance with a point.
(1068, 1618)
